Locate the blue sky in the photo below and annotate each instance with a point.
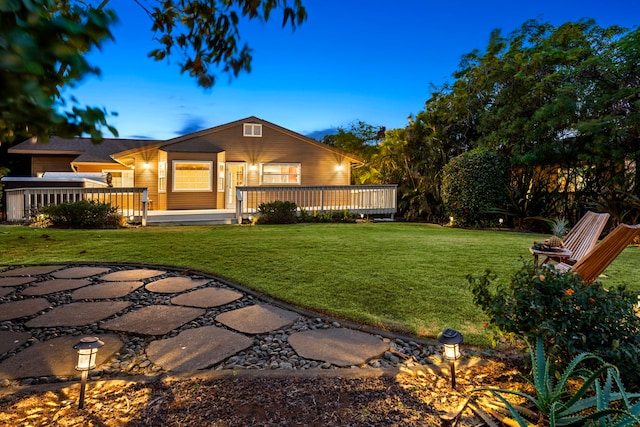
(352, 60)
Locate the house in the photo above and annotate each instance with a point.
(199, 170)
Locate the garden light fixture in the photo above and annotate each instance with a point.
(451, 339)
(87, 351)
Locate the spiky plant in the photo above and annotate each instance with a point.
(559, 228)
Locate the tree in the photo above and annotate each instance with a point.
(361, 139)
(42, 48)
(561, 104)
(43, 44)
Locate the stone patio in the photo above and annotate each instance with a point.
(176, 328)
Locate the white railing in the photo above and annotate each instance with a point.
(357, 199)
(24, 203)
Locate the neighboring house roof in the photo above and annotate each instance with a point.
(109, 149)
(86, 150)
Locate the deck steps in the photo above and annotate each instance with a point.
(191, 217)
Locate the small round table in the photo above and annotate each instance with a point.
(560, 253)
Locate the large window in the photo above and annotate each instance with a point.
(281, 173)
(192, 176)
(252, 129)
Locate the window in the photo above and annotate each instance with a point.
(120, 178)
(252, 129)
(192, 176)
(220, 177)
(281, 173)
(162, 177)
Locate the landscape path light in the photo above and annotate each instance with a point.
(451, 339)
(87, 351)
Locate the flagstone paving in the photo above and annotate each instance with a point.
(54, 357)
(16, 281)
(197, 348)
(12, 340)
(342, 347)
(128, 275)
(106, 290)
(207, 298)
(54, 285)
(152, 321)
(257, 319)
(22, 308)
(31, 271)
(77, 314)
(171, 285)
(79, 272)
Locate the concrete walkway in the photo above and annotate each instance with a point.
(155, 321)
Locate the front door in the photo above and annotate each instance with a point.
(236, 176)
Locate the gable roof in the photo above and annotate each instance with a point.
(86, 150)
(190, 141)
(111, 148)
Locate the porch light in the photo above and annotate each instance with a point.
(146, 165)
(451, 339)
(339, 168)
(253, 167)
(87, 351)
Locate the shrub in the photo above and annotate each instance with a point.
(83, 214)
(277, 212)
(473, 184)
(327, 216)
(571, 316)
(575, 396)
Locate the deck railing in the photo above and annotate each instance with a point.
(24, 203)
(357, 199)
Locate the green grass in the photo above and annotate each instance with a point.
(399, 276)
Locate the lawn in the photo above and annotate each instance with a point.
(402, 276)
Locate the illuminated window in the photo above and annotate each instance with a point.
(162, 177)
(252, 129)
(120, 178)
(192, 176)
(281, 173)
(221, 177)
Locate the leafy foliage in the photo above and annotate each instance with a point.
(207, 33)
(572, 317)
(560, 104)
(44, 43)
(361, 139)
(327, 216)
(42, 50)
(277, 212)
(83, 214)
(575, 396)
(472, 185)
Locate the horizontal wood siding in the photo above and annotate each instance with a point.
(191, 199)
(40, 164)
(147, 177)
(319, 165)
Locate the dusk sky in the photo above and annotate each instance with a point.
(351, 60)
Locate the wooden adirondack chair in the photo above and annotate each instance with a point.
(590, 266)
(584, 236)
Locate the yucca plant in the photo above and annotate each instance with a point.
(559, 401)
